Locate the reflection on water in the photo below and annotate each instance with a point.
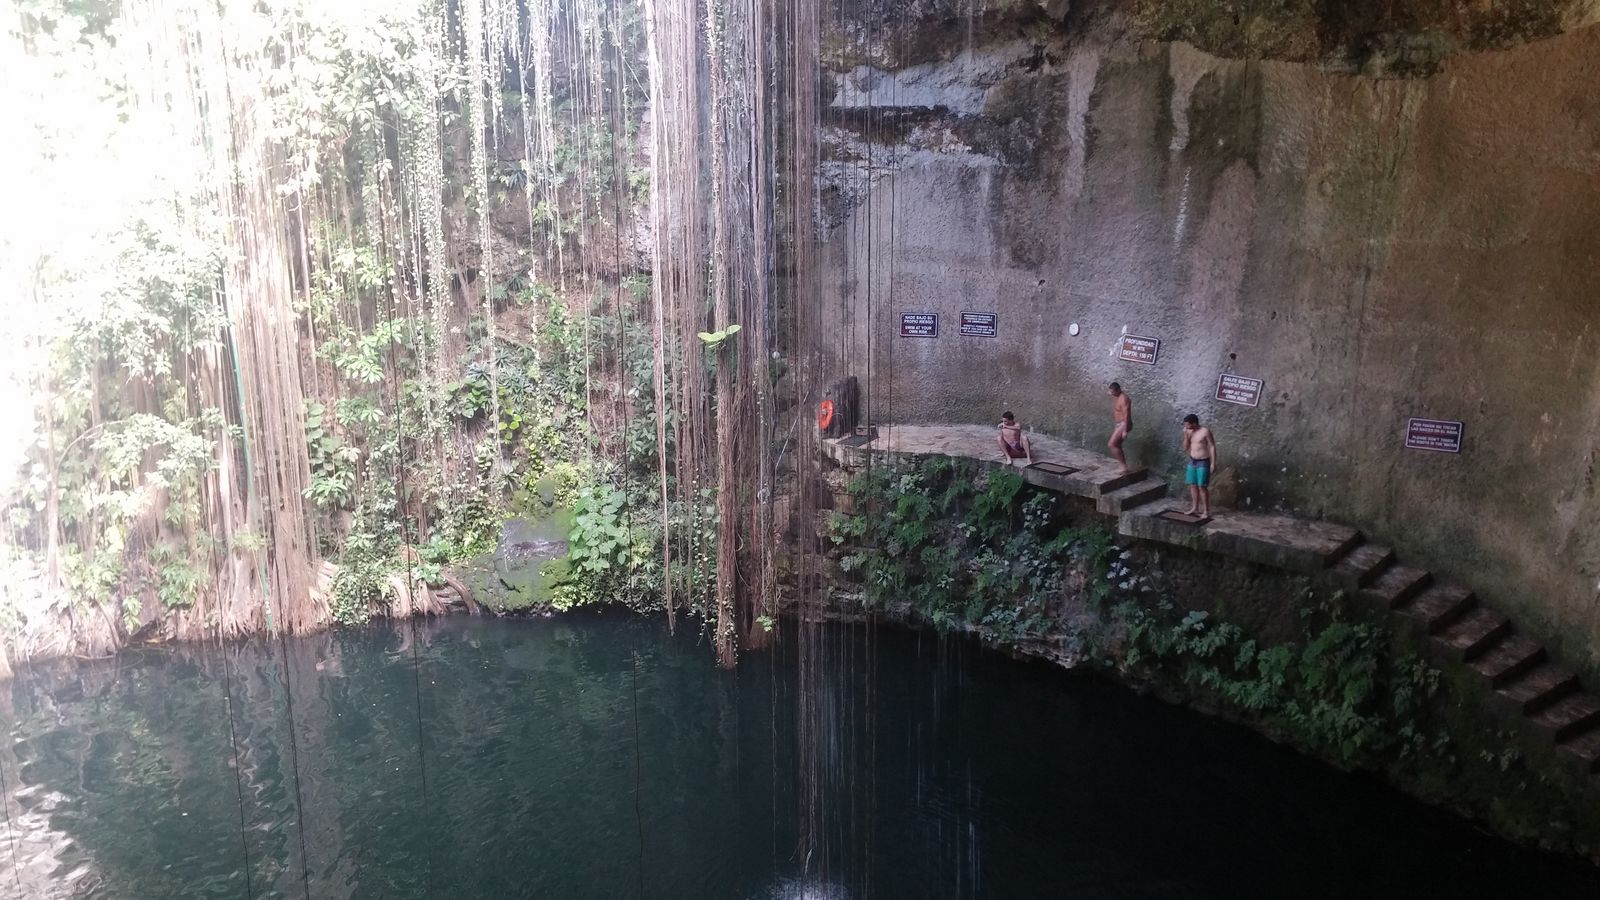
(943, 772)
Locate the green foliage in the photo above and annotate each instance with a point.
(944, 542)
(357, 587)
(963, 549)
(470, 397)
(131, 608)
(639, 185)
(713, 339)
(140, 275)
(362, 580)
(364, 357)
(182, 455)
(93, 577)
(1339, 690)
(332, 460)
(178, 579)
(612, 552)
(601, 538)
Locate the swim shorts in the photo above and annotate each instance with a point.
(1199, 473)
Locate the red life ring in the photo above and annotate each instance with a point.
(825, 415)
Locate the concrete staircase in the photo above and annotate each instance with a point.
(1523, 683)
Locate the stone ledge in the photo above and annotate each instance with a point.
(1522, 683)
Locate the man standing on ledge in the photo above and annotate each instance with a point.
(1201, 448)
(1122, 414)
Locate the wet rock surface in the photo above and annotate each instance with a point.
(523, 568)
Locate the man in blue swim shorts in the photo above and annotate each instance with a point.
(1201, 449)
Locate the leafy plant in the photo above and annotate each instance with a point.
(600, 538)
(178, 579)
(612, 551)
(1339, 690)
(712, 340)
(332, 461)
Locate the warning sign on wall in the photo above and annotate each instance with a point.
(1239, 389)
(1142, 350)
(1438, 435)
(921, 325)
(980, 324)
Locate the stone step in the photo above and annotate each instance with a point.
(1506, 661)
(1473, 634)
(1438, 607)
(1283, 542)
(1131, 496)
(1570, 716)
(1363, 564)
(1109, 480)
(1542, 686)
(1584, 749)
(1395, 585)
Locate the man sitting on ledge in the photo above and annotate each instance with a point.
(1013, 443)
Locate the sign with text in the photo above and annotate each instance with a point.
(1438, 435)
(1142, 350)
(1239, 389)
(980, 324)
(921, 325)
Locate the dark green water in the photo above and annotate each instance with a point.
(944, 771)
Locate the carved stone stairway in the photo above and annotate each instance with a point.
(1521, 680)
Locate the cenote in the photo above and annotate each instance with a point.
(595, 755)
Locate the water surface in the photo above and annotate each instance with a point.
(597, 756)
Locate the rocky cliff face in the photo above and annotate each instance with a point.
(1394, 37)
(1373, 249)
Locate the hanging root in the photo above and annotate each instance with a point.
(416, 595)
(322, 591)
(456, 584)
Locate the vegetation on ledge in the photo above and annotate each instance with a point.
(939, 541)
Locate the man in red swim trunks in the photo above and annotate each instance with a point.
(1013, 443)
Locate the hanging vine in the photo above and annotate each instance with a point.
(325, 281)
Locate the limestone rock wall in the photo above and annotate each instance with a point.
(1373, 249)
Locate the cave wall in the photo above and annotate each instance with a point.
(1374, 249)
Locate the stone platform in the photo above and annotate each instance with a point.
(1136, 497)
(1520, 680)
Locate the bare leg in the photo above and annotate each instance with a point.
(1003, 453)
(1115, 446)
(1027, 448)
(1205, 501)
(1194, 501)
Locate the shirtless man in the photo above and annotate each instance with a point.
(1122, 414)
(1013, 443)
(1201, 449)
